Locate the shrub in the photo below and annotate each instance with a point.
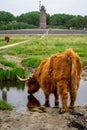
(16, 25)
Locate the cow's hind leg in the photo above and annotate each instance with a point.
(63, 91)
(73, 95)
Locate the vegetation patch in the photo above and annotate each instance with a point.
(11, 74)
(7, 63)
(31, 62)
(36, 49)
(5, 106)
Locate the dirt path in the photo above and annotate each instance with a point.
(14, 44)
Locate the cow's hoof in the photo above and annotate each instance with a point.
(61, 111)
(46, 105)
(71, 107)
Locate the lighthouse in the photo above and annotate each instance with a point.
(42, 17)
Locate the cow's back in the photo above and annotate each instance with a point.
(58, 67)
(50, 71)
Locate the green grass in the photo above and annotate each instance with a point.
(10, 70)
(7, 63)
(5, 106)
(44, 47)
(37, 48)
(13, 39)
(32, 61)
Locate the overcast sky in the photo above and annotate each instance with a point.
(17, 7)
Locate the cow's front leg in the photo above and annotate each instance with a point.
(56, 97)
(63, 91)
(47, 100)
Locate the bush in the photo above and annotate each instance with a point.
(16, 25)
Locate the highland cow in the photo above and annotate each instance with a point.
(7, 38)
(59, 74)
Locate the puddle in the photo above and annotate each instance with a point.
(17, 95)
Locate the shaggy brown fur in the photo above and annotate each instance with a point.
(7, 38)
(59, 74)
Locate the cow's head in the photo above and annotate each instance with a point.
(31, 83)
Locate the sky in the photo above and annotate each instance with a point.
(18, 7)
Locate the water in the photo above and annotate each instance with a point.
(82, 93)
(17, 95)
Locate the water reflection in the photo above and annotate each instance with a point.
(7, 85)
(12, 92)
(17, 95)
(82, 93)
(4, 95)
(32, 102)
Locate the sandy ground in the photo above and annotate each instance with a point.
(43, 118)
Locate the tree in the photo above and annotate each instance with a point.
(32, 20)
(67, 21)
(47, 19)
(6, 17)
(85, 21)
(29, 18)
(76, 21)
(53, 20)
(59, 19)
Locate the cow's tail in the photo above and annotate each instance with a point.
(76, 68)
(73, 84)
(71, 55)
(76, 71)
(75, 75)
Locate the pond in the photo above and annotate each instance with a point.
(17, 96)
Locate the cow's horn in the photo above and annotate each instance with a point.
(21, 78)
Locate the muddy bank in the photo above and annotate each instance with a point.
(43, 118)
